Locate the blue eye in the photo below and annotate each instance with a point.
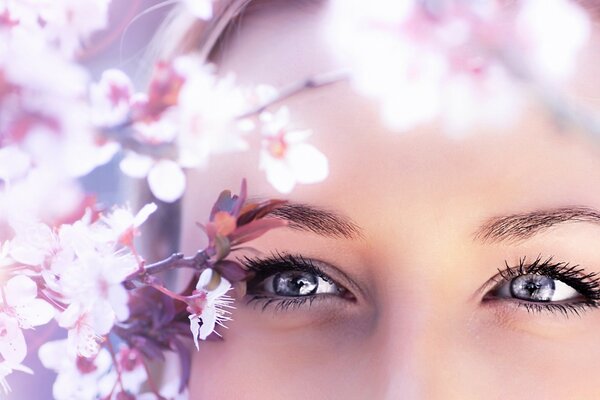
(290, 280)
(298, 283)
(537, 288)
(546, 285)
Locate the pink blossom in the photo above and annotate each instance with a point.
(285, 156)
(455, 63)
(111, 98)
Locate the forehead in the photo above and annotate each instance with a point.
(523, 167)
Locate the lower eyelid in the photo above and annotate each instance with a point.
(566, 309)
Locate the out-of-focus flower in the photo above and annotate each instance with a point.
(456, 61)
(78, 377)
(193, 113)
(202, 9)
(111, 98)
(121, 225)
(208, 305)
(63, 24)
(46, 115)
(285, 157)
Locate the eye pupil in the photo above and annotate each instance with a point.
(295, 283)
(533, 287)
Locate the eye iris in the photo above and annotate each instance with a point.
(533, 287)
(295, 283)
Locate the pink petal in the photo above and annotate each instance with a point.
(166, 181)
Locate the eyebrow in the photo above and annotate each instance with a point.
(517, 227)
(323, 222)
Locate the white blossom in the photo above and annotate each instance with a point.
(209, 308)
(77, 377)
(21, 309)
(285, 156)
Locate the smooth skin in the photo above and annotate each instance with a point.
(418, 328)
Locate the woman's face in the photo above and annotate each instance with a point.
(409, 299)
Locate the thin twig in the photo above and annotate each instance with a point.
(177, 260)
(313, 82)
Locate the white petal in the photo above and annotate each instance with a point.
(278, 174)
(308, 164)
(69, 317)
(35, 313)
(195, 328)
(143, 214)
(53, 354)
(294, 137)
(13, 347)
(84, 341)
(136, 165)
(209, 320)
(119, 298)
(102, 317)
(20, 290)
(204, 279)
(166, 181)
(224, 287)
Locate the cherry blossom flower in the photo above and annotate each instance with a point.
(285, 157)
(111, 98)
(21, 309)
(121, 225)
(93, 287)
(208, 304)
(77, 377)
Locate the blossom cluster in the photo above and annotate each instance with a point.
(458, 62)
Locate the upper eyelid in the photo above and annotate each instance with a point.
(347, 282)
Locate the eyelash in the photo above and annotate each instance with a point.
(586, 284)
(278, 262)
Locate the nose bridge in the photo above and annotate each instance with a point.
(418, 336)
(413, 346)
